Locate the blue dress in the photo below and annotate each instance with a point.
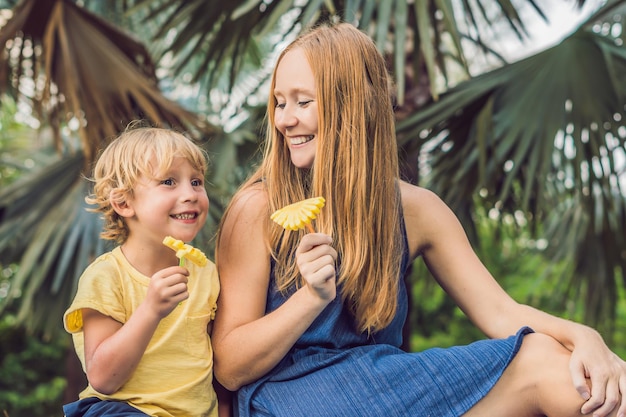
(333, 370)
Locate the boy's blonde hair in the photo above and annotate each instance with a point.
(143, 151)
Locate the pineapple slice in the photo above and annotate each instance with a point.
(185, 251)
(299, 215)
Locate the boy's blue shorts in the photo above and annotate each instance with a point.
(95, 407)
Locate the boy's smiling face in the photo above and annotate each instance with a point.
(173, 203)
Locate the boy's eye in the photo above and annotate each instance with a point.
(168, 181)
(196, 183)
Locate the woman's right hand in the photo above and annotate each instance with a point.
(316, 259)
(248, 340)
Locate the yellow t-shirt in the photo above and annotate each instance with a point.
(174, 376)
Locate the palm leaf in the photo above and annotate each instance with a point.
(539, 136)
(92, 72)
(216, 39)
(39, 212)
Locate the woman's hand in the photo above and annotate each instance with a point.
(316, 261)
(592, 363)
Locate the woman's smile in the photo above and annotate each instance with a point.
(299, 140)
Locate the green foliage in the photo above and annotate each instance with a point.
(13, 141)
(31, 382)
(619, 337)
(519, 264)
(435, 319)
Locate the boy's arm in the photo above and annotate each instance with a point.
(112, 349)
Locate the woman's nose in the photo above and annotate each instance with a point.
(285, 118)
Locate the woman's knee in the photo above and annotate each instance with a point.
(545, 363)
(544, 351)
(532, 383)
(543, 360)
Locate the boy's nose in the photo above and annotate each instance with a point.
(188, 193)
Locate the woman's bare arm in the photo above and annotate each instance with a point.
(436, 234)
(247, 343)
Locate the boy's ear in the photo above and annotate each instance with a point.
(120, 204)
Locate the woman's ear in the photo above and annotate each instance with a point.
(120, 204)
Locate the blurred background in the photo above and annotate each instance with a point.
(511, 110)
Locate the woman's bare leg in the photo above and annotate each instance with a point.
(536, 383)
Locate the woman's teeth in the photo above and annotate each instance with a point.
(298, 140)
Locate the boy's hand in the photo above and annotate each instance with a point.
(167, 289)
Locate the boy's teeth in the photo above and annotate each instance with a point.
(185, 216)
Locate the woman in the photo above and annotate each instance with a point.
(310, 324)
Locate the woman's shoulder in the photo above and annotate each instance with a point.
(416, 198)
(250, 200)
(425, 216)
(247, 211)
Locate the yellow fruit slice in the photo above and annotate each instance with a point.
(299, 215)
(185, 251)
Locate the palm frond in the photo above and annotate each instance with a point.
(38, 213)
(540, 135)
(218, 40)
(87, 70)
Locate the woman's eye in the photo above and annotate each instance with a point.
(304, 103)
(280, 105)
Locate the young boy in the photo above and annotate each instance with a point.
(140, 321)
